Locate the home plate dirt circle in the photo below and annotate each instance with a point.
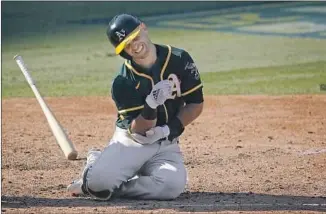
(244, 153)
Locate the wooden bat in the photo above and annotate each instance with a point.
(65, 144)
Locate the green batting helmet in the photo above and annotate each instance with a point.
(122, 29)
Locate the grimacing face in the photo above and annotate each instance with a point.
(138, 48)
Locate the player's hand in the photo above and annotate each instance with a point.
(160, 93)
(152, 135)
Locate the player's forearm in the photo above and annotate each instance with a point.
(189, 113)
(186, 115)
(140, 125)
(145, 120)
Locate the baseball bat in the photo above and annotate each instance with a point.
(63, 141)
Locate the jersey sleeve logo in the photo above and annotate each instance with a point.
(191, 66)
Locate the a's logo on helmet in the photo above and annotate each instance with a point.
(121, 34)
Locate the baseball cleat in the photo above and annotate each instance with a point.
(75, 188)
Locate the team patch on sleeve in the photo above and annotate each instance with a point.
(190, 81)
(192, 68)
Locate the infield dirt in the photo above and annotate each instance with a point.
(245, 153)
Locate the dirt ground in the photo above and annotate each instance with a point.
(245, 154)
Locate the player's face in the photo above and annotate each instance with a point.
(139, 47)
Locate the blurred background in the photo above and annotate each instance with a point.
(239, 47)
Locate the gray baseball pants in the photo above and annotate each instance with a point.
(132, 170)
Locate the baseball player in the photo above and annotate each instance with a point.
(157, 92)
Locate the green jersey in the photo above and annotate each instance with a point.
(133, 83)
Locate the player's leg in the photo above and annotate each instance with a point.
(118, 162)
(163, 177)
(75, 187)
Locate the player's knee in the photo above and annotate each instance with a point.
(95, 186)
(97, 182)
(172, 186)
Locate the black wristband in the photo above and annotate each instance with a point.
(148, 113)
(176, 128)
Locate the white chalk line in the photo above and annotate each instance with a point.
(255, 205)
(313, 151)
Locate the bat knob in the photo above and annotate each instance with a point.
(72, 156)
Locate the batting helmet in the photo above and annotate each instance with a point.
(121, 30)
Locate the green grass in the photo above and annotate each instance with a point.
(296, 79)
(76, 60)
(291, 79)
(66, 65)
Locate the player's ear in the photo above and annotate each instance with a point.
(143, 26)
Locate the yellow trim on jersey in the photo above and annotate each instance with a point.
(138, 73)
(121, 117)
(191, 90)
(166, 114)
(129, 130)
(162, 72)
(137, 86)
(166, 61)
(130, 109)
